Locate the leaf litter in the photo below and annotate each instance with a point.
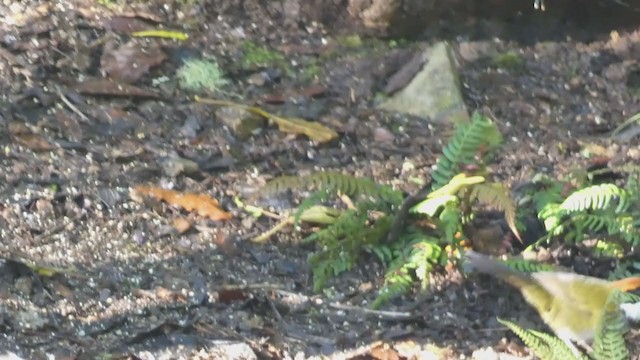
(66, 207)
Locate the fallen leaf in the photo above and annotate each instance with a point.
(202, 204)
(314, 130)
(130, 61)
(384, 351)
(22, 135)
(165, 34)
(231, 295)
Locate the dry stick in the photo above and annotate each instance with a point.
(386, 315)
(276, 312)
(259, 286)
(73, 107)
(308, 338)
(266, 235)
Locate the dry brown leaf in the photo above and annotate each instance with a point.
(22, 135)
(310, 91)
(130, 61)
(127, 24)
(202, 204)
(231, 295)
(384, 352)
(314, 130)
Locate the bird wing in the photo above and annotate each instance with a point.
(569, 286)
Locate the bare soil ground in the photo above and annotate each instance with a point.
(128, 285)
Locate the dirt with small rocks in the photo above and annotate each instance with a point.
(88, 270)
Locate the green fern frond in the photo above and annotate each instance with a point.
(413, 260)
(609, 340)
(499, 197)
(342, 241)
(529, 266)
(401, 284)
(551, 193)
(628, 298)
(625, 269)
(450, 222)
(335, 182)
(596, 197)
(597, 209)
(467, 142)
(545, 346)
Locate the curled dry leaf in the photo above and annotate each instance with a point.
(131, 61)
(202, 204)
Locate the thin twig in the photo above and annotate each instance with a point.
(73, 107)
(389, 315)
(259, 286)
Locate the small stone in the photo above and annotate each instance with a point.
(104, 295)
(257, 79)
(434, 92)
(24, 285)
(615, 72)
(471, 51)
(382, 135)
(175, 165)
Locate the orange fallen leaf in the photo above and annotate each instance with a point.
(202, 204)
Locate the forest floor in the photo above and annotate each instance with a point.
(90, 271)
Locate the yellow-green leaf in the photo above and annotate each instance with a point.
(165, 34)
(315, 131)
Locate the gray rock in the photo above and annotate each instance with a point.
(434, 92)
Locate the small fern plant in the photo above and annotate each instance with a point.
(459, 180)
(459, 185)
(608, 211)
(354, 231)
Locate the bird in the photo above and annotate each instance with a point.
(570, 304)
